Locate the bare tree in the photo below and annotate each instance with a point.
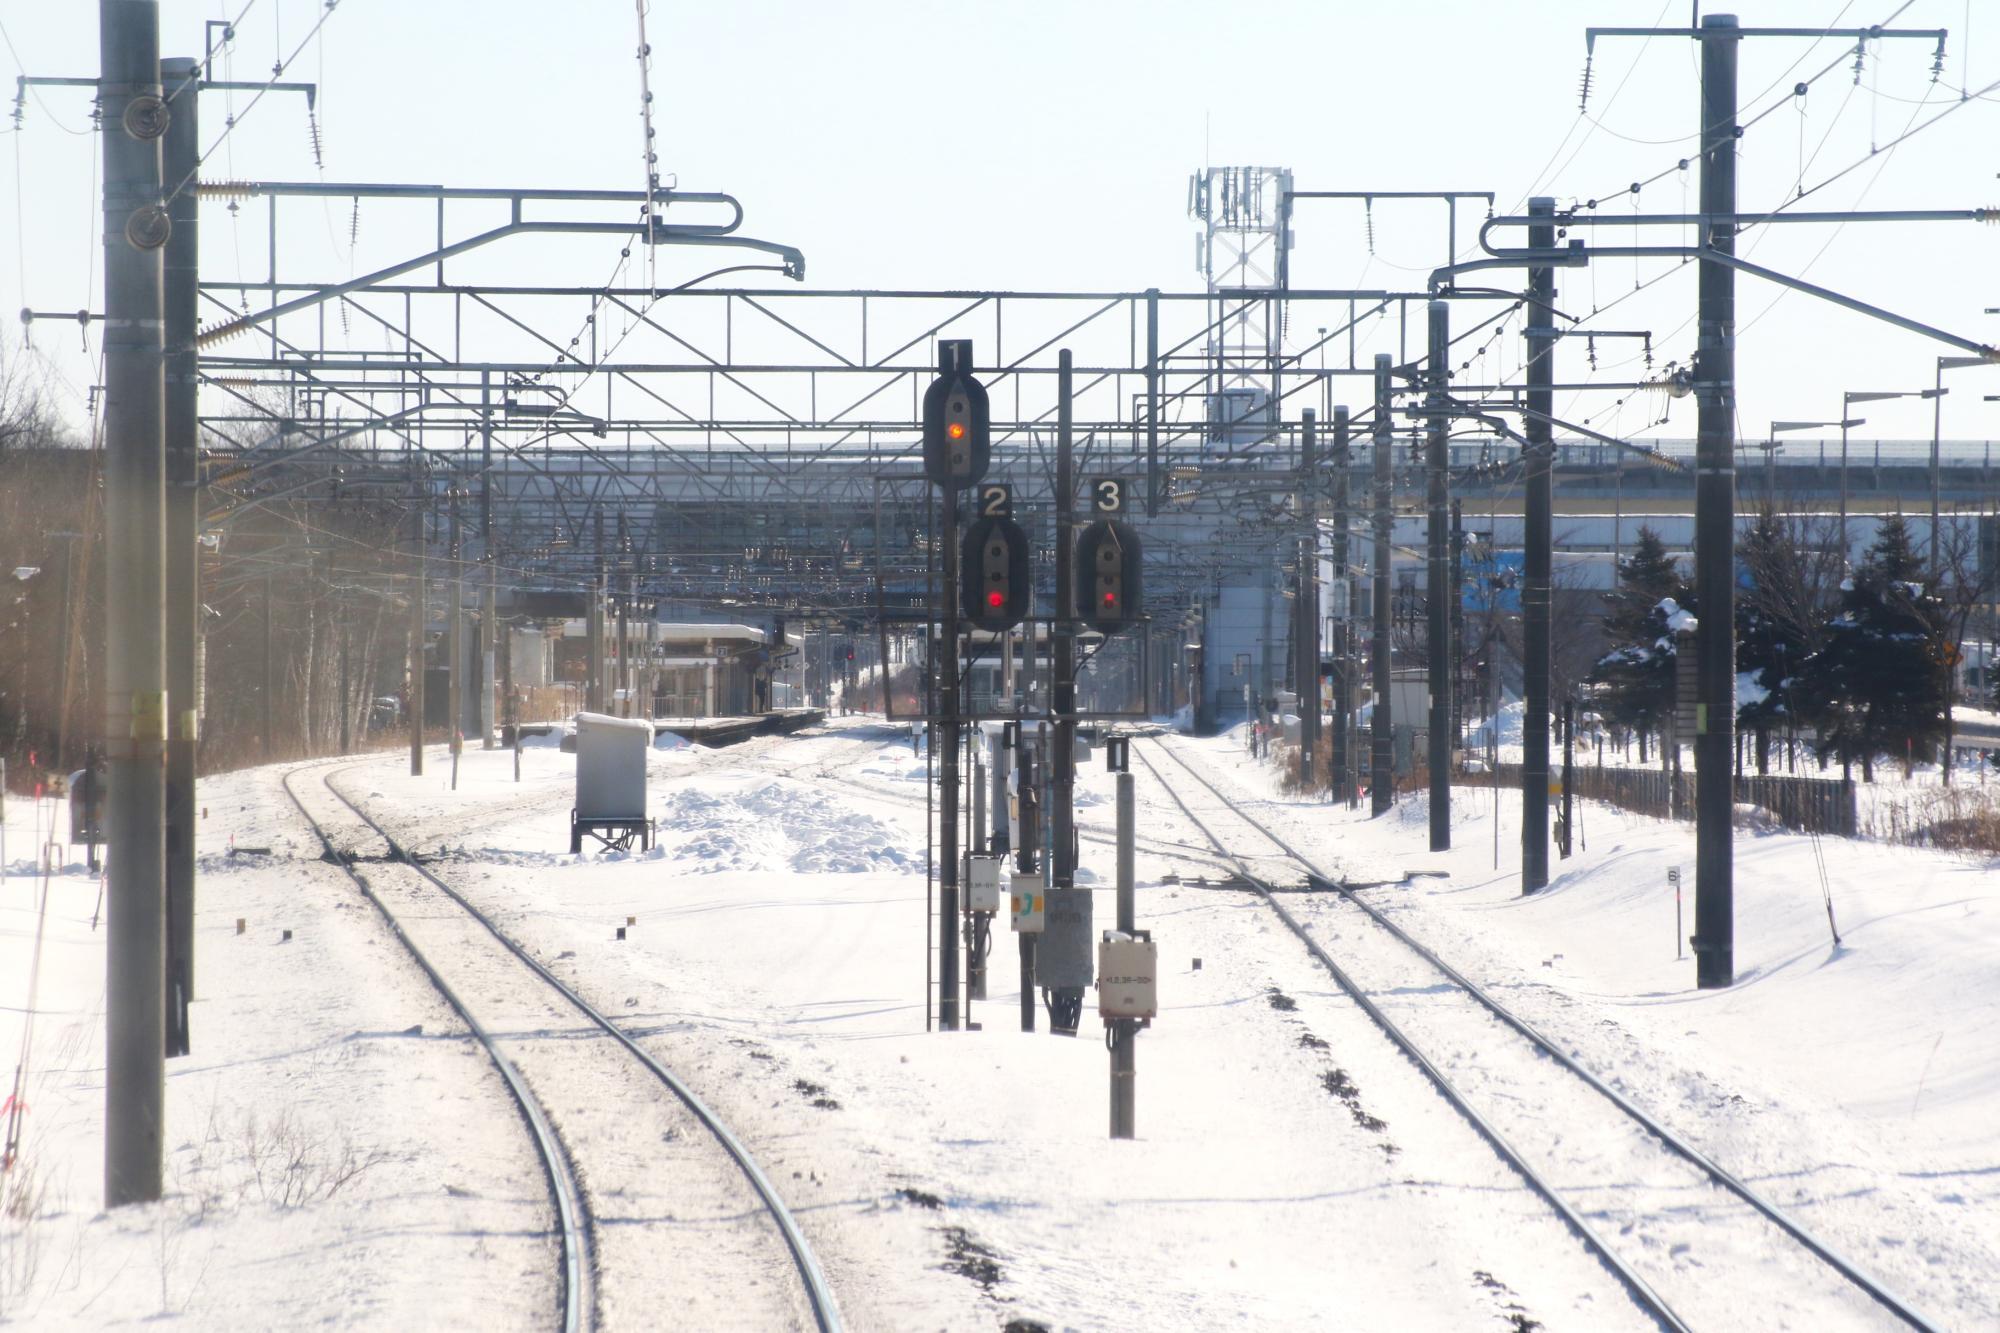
(1965, 583)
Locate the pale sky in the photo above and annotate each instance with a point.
(1041, 145)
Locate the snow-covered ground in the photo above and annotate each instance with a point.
(1291, 1171)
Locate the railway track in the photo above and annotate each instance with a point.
(1680, 1217)
(564, 1062)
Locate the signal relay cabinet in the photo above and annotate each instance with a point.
(611, 782)
(982, 884)
(1127, 972)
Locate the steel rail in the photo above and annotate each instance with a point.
(572, 1213)
(819, 1293)
(1640, 1290)
(1715, 1172)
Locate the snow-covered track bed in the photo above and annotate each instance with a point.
(1685, 1236)
(663, 1218)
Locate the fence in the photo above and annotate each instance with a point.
(1810, 805)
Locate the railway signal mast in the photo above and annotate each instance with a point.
(957, 445)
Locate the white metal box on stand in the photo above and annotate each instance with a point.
(1127, 976)
(982, 884)
(611, 782)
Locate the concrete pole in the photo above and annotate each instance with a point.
(270, 674)
(454, 629)
(621, 674)
(180, 158)
(1062, 676)
(1027, 796)
(1538, 540)
(419, 631)
(1843, 457)
(1153, 402)
(1569, 777)
(1439, 592)
(488, 593)
(1715, 519)
(1343, 625)
(1305, 639)
(1125, 1031)
(997, 761)
(1382, 737)
(135, 686)
(593, 685)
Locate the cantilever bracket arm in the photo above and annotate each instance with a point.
(1577, 255)
(1483, 413)
(795, 263)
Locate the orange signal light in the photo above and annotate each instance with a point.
(956, 430)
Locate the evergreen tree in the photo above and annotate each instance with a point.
(1768, 657)
(1635, 678)
(1878, 686)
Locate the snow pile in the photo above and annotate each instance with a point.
(777, 825)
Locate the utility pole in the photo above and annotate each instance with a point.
(345, 629)
(1457, 625)
(1124, 1035)
(270, 672)
(1569, 777)
(1305, 638)
(419, 627)
(454, 640)
(593, 685)
(180, 160)
(1382, 738)
(1715, 517)
(135, 696)
(1538, 540)
(1438, 652)
(1343, 624)
(488, 628)
(1062, 686)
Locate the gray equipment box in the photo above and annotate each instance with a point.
(611, 782)
(1064, 958)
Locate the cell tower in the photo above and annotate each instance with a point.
(1241, 250)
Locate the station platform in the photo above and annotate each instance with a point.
(696, 730)
(729, 730)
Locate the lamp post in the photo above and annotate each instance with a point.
(1771, 447)
(1847, 400)
(1936, 395)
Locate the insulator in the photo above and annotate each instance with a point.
(1583, 92)
(218, 333)
(224, 190)
(312, 128)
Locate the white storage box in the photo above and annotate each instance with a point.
(1127, 968)
(611, 766)
(982, 884)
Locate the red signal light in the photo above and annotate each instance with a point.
(995, 598)
(1111, 599)
(956, 430)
